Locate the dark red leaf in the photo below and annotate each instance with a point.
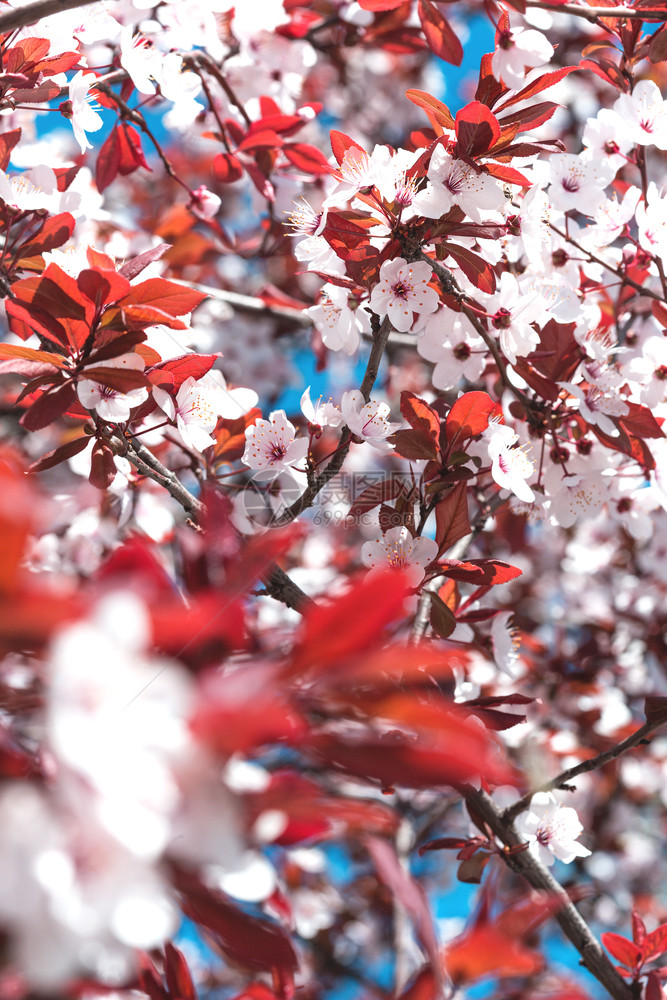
(184, 367)
(414, 445)
(441, 617)
(653, 989)
(419, 414)
(8, 141)
(481, 572)
(655, 943)
(473, 266)
(108, 161)
(54, 231)
(451, 517)
(102, 466)
(177, 974)
(375, 494)
(58, 455)
(50, 405)
(441, 38)
(537, 86)
(130, 153)
(638, 925)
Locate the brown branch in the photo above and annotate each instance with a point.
(572, 923)
(278, 584)
(20, 17)
(593, 14)
(583, 767)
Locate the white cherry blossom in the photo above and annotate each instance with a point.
(368, 420)
(402, 291)
(272, 445)
(510, 466)
(453, 182)
(111, 404)
(398, 549)
(450, 342)
(644, 115)
(321, 414)
(552, 830)
(83, 115)
(339, 325)
(519, 49)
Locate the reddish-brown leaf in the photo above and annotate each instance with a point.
(61, 454)
(441, 38)
(249, 942)
(473, 266)
(102, 466)
(53, 232)
(108, 161)
(419, 414)
(655, 943)
(481, 572)
(30, 354)
(184, 367)
(375, 494)
(537, 86)
(486, 951)
(135, 266)
(130, 153)
(477, 129)
(8, 141)
(451, 517)
(48, 407)
(414, 445)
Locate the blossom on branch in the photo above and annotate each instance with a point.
(552, 830)
(272, 445)
(368, 420)
(399, 549)
(403, 292)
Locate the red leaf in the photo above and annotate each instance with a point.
(419, 414)
(451, 517)
(330, 632)
(130, 153)
(473, 266)
(50, 405)
(380, 4)
(249, 942)
(625, 951)
(102, 466)
(441, 38)
(469, 416)
(375, 494)
(537, 86)
(655, 943)
(139, 317)
(108, 161)
(653, 989)
(638, 926)
(227, 168)
(438, 113)
(487, 951)
(307, 158)
(184, 367)
(477, 130)
(58, 455)
(8, 141)
(659, 310)
(343, 235)
(102, 287)
(340, 143)
(507, 174)
(640, 422)
(481, 572)
(150, 979)
(170, 297)
(55, 231)
(120, 379)
(177, 974)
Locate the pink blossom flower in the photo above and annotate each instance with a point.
(340, 326)
(450, 342)
(111, 404)
(518, 50)
(82, 114)
(510, 466)
(552, 830)
(398, 549)
(453, 182)
(644, 115)
(198, 405)
(320, 414)
(368, 420)
(271, 445)
(204, 203)
(402, 291)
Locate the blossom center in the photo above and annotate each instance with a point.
(401, 290)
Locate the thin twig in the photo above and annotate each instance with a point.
(593, 14)
(592, 764)
(20, 17)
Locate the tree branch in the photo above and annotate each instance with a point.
(278, 584)
(572, 923)
(593, 14)
(20, 17)
(583, 767)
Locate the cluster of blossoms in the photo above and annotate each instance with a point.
(196, 691)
